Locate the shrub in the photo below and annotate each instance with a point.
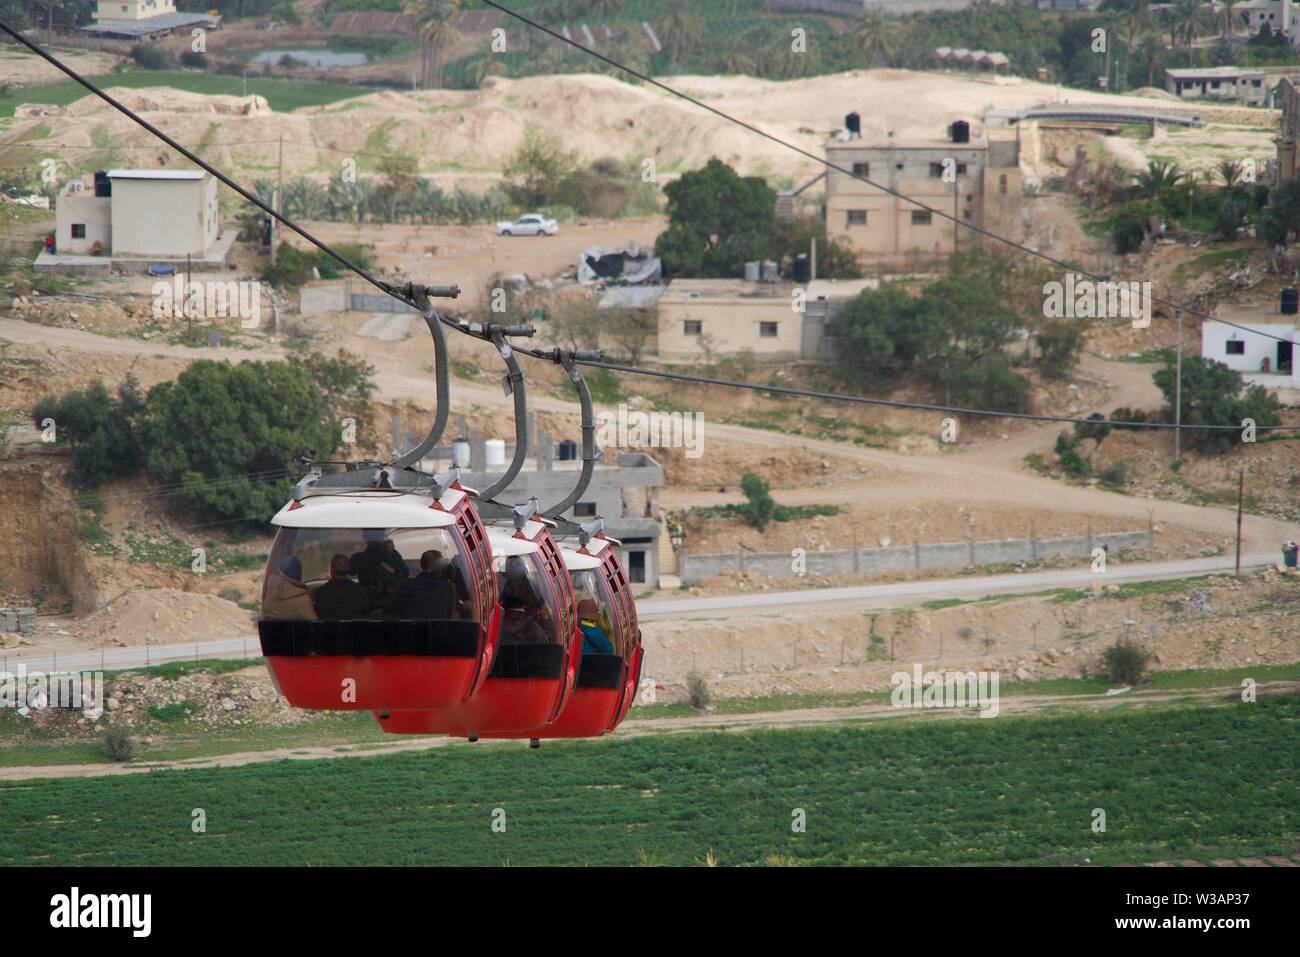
(1067, 454)
(760, 509)
(1125, 662)
(697, 691)
(100, 428)
(991, 384)
(150, 57)
(194, 60)
(1115, 474)
(118, 745)
(1059, 345)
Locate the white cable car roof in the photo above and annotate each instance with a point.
(384, 509)
(575, 561)
(507, 545)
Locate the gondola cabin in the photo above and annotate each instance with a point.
(378, 598)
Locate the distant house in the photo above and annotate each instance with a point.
(145, 19)
(142, 215)
(1260, 343)
(1240, 84)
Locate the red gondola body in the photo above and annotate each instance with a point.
(359, 664)
(606, 684)
(529, 682)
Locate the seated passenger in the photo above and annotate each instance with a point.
(287, 598)
(594, 639)
(340, 597)
(519, 627)
(380, 568)
(516, 583)
(428, 594)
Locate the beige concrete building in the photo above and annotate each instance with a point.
(733, 314)
(133, 9)
(154, 214)
(974, 178)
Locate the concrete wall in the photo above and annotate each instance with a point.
(155, 217)
(692, 568)
(317, 300)
(1215, 336)
(733, 323)
(87, 209)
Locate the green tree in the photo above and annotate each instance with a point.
(1059, 345)
(1212, 395)
(398, 176)
(876, 34)
(100, 428)
(435, 25)
(835, 258)
(227, 436)
(759, 507)
(884, 331)
(680, 31)
(717, 221)
(538, 170)
(346, 383)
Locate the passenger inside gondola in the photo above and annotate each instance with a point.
(287, 598)
(518, 626)
(341, 598)
(379, 568)
(595, 640)
(516, 583)
(429, 594)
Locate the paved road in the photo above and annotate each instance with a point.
(820, 600)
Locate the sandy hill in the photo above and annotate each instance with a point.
(467, 136)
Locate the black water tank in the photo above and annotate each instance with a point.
(568, 450)
(959, 132)
(103, 185)
(802, 269)
(1290, 301)
(853, 123)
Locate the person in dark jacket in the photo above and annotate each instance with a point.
(340, 597)
(380, 568)
(428, 594)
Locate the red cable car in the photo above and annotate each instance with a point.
(345, 626)
(535, 666)
(607, 681)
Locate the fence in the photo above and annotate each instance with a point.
(864, 561)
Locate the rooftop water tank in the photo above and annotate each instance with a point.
(495, 452)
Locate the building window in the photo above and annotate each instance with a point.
(1002, 184)
(920, 218)
(1235, 347)
(856, 217)
(636, 567)
(767, 330)
(862, 169)
(898, 166)
(584, 510)
(936, 170)
(78, 230)
(692, 327)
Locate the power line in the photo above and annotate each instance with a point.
(406, 297)
(888, 190)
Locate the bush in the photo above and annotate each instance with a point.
(150, 57)
(1129, 226)
(293, 266)
(991, 384)
(1125, 662)
(1067, 455)
(760, 509)
(1212, 395)
(697, 691)
(1059, 345)
(194, 60)
(100, 428)
(118, 745)
(1115, 474)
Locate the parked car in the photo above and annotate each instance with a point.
(531, 224)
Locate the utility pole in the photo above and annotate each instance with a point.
(1241, 497)
(275, 201)
(956, 222)
(189, 313)
(1178, 391)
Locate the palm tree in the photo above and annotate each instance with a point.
(1151, 47)
(1229, 28)
(604, 9)
(680, 30)
(435, 26)
(1230, 172)
(876, 34)
(50, 6)
(1158, 177)
(1186, 20)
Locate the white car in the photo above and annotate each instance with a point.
(531, 224)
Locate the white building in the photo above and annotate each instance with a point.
(154, 215)
(1271, 15)
(1251, 345)
(1240, 84)
(133, 9)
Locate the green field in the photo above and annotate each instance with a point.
(282, 95)
(1183, 783)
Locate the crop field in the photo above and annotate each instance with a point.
(1186, 783)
